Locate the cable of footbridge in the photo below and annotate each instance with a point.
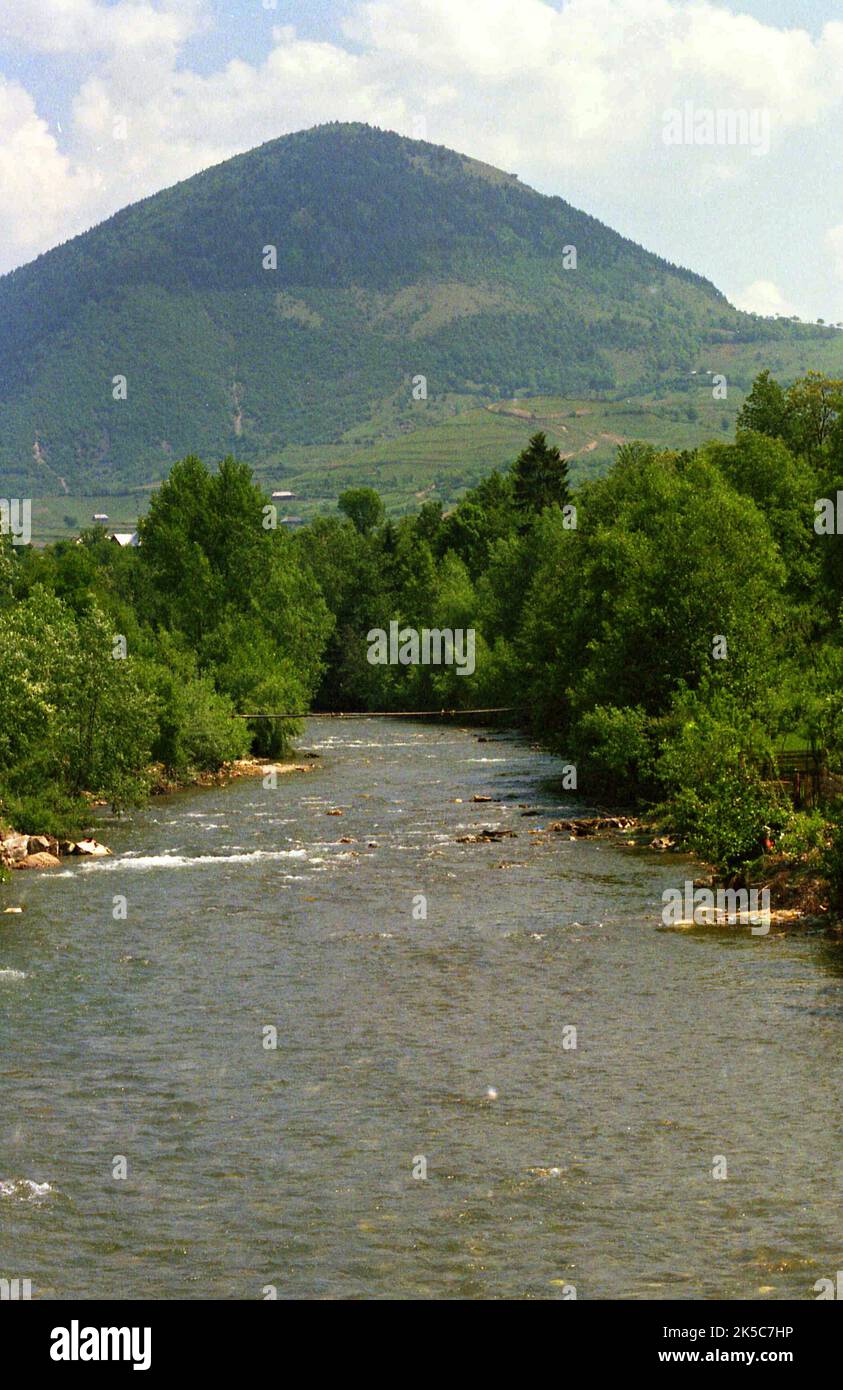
(383, 713)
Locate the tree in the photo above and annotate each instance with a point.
(765, 409)
(234, 587)
(814, 404)
(666, 556)
(540, 477)
(108, 719)
(73, 718)
(351, 571)
(196, 729)
(480, 519)
(783, 486)
(7, 569)
(363, 507)
(711, 766)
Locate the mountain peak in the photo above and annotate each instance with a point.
(286, 297)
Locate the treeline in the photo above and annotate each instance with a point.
(670, 628)
(671, 644)
(114, 660)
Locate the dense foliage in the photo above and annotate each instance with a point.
(671, 627)
(674, 641)
(112, 660)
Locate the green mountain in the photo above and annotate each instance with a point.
(396, 259)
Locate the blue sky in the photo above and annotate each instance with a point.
(105, 101)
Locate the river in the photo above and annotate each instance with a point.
(405, 1044)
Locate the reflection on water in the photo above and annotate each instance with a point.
(401, 1037)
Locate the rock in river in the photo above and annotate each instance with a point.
(43, 844)
(38, 861)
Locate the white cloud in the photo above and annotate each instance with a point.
(553, 94)
(745, 62)
(763, 297)
(42, 196)
(86, 26)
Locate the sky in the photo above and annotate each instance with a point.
(623, 107)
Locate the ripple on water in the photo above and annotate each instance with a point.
(185, 861)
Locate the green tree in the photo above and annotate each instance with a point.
(485, 516)
(765, 409)
(814, 405)
(73, 718)
(540, 477)
(7, 569)
(711, 770)
(219, 573)
(666, 557)
(784, 487)
(363, 507)
(197, 730)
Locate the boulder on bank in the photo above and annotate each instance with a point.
(91, 847)
(259, 767)
(13, 848)
(43, 851)
(40, 860)
(44, 844)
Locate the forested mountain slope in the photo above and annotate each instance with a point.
(396, 259)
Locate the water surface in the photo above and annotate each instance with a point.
(293, 1167)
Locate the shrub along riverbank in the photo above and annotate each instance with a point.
(671, 629)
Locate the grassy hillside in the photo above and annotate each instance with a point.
(395, 258)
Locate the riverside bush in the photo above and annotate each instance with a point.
(50, 811)
(804, 833)
(723, 819)
(613, 749)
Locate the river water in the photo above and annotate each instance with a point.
(406, 1045)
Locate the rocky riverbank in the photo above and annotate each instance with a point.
(163, 783)
(798, 892)
(42, 851)
(19, 851)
